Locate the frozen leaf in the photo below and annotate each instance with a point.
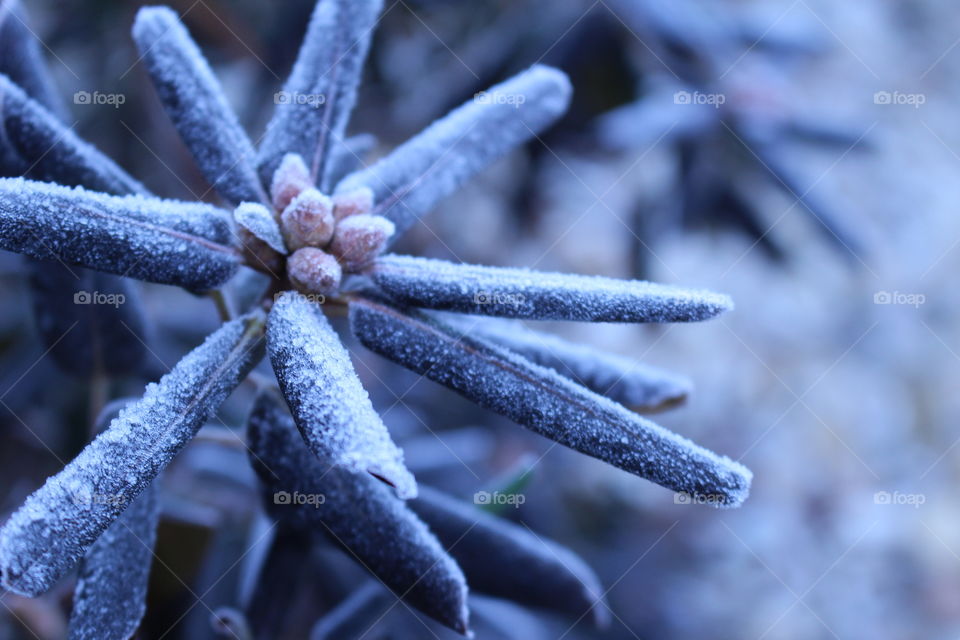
(358, 513)
(635, 385)
(529, 570)
(314, 105)
(434, 163)
(257, 219)
(92, 322)
(522, 293)
(330, 405)
(195, 102)
(165, 241)
(47, 150)
(110, 597)
(548, 403)
(57, 524)
(21, 59)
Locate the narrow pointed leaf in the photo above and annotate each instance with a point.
(56, 525)
(433, 164)
(537, 295)
(22, 60)
(195, 102)
(110, 597)
(358, 513)
(330, 405)
(529, 570)
(165, 241)
(314, 106)
(49, 151)
(635, 385)
(548, 403)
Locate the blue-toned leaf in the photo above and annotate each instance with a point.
(357, 513)
(21, 59)
(637, 386)
(433, 164)
(91, 322)
(56, 525)
(195, 102)
(258, 220)
(330, 405)
(47, 150)
(165, 241)
(314, 106)
(529, 569)
(537, 295)
(548, 403)
(110, 597)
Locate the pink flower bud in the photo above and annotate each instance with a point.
(359, 239)
(352, 203)
(312, 270)
(290, 178)
(308, 220)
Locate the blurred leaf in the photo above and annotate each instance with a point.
(505, 560)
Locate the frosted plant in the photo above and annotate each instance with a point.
(296, 212)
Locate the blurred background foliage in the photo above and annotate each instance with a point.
(807, 195)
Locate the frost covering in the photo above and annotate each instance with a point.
(538, 295)
(330, 405)
(635, 385)
(315, 104)
(258, 220)
(110, 597)
(197, 106)
(56, 525)
(529, 570)
(358, 513)
(165, 241)
(549, 404)
(34, 140)
(434, 163)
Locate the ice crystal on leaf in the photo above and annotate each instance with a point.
(302, 215)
